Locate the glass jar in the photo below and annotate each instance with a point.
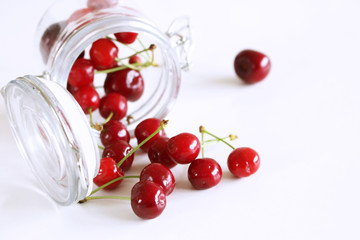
(51, 130)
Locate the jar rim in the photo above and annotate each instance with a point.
(47, 124)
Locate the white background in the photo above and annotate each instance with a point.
(303, 119)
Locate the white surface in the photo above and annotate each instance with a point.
(304, 120)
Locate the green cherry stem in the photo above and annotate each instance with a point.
(231, 137)
(202, 142)
(108, 118)
(101, 147)
(203, 130)
(105, 197)
(163, 124)
(143, 46)
(108, 183)
(150, 48)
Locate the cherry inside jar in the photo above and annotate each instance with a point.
(50, 114)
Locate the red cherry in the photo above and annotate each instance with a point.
(115, 103)
(126, 37)
(49, 37)
(118, 150)
(183, 148)
(78, 14)
(243, 162)
(81, 73)
(159, 174)
(114, 131)
(87, 97)
(101, 4)
(103, 53)
(252, 66)
(134, 59)
(204, 173)
(127, 82)
(108, 171)
(148, 199)
(145, 128)
(157, 152)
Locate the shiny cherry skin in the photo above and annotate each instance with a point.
(114, 131)
(159, 174)
(81, 73)
(118, 151)
(101, 4)
(157, 152)
(252, 66)
(145, 128)
(127, 82)
(134, 59)
(183, 148)
(88, 98)
(115, 103)
(108, 171)
(103, 53)
(148, 199)
(243, 162)
(126, 37)
(204, 173)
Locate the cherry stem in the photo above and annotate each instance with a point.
(138, 52)
(231, 137)
(163, 124)
(132, 48)
(105, 197)
(101, 147)
(143, 46)
(202, 143)
(108, 118)
(135, 66)
(203, 130)
(108, 183)
(91, 118)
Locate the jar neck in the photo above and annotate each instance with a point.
(80, 35)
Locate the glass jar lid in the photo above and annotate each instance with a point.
(54, 136)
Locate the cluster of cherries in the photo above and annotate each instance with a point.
(123, 83)
(156, 181)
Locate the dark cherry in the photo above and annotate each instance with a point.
(118, 151)
(183, 148)
(49, 37)
(159, 174)
(71, 89)
(148, 199)
(114, 131)
(81, 73)
(145, 128)
(82, 55)
(87, 97)
(157, 152)
(204, 173)
(243, 162)
(78, 14)
(252, 66)
(134, 59)
(126, 37)
(101, 4)
(108, 171)
(115, 103)
(103, 53)
(127, 82)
